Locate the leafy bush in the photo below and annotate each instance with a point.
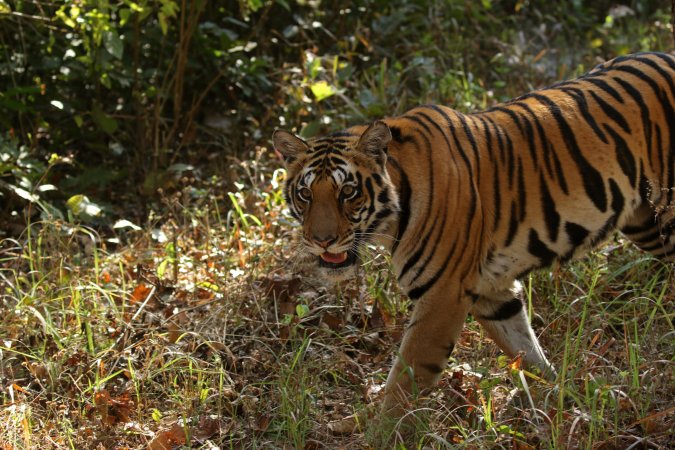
(126, 89)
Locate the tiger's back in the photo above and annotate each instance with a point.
(544, 176)
(467, 204)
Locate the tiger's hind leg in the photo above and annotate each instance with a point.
(653, 231)
(504, 318)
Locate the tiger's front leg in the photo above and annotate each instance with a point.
(435, 325)
(503, 316)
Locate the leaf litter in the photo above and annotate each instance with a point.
(220, 335)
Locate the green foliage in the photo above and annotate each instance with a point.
(127, 89)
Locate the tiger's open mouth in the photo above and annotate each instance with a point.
(337, 260)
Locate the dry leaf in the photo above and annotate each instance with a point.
(332, 322)
(279, 288)
(168, 439)
(113, 410)
(140, 293)
(207, 427)
(262, 423)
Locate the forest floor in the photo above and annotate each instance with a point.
(209, 331)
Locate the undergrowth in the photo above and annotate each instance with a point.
(208, 329)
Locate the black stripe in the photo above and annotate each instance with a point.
(505, 311)
(513, 225)
(397, 136)
(487, 136)
(545, 146)
(576, 233)
(497, 200)
(618, 200)
(453, 133)
(419, 291)
(496, 131)
(611, 112)
(551, 216)
(654, 235)
(644, 113)
(472, 140)
(539, 249)
(659, 145)
(472, 295)
(522, 198)
(383, 196)
(624, 156)
(582, 105)
(515, 117)
(422, 245)
(371, 196)
(646, 225)
(560, 174)
(404, 194)
(667, 106)
(603, 85)
(433, 368)
(592, 179)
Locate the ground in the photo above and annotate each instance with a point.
(207, 330)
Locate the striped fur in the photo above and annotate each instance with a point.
(467, 204)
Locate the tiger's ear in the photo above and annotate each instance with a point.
(289, 145)
(374, 140)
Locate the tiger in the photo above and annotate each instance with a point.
(468, 204)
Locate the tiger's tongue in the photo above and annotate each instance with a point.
(334, 258)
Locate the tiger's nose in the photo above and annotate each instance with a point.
(324, 241)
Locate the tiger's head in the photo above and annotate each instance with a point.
(339, 189)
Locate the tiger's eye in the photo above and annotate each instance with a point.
(348, 192)
(305, 194)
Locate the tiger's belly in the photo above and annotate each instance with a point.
(532, 248)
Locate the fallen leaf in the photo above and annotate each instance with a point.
(280, 288)
(207, 427)
(140, 293)
(519, 445)
(517, 363)
(263, 423)
(332, 322)
(113, 410)
(168, 439)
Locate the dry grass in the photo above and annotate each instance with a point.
(206, 331)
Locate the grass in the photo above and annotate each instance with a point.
(209, 330)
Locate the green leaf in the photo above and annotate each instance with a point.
(61, 14)
(208, 285)
(124, 13)
(322, 90)
(161, 269)
(80, 205)
(113, 44)
(163, 23)
(12, 104)
(255, 5)
(311, 129)
(302, 310)
(105, 122)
